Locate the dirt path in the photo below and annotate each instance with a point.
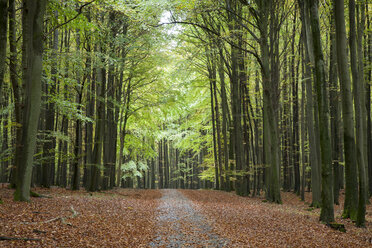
(250, 222)
(179, 224)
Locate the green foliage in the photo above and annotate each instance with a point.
(181, 170)
(72, 110)
(132, 169)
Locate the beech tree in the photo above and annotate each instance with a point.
(254, 97)
(32, 34)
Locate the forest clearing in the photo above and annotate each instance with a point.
(183, 218)
(185, 123)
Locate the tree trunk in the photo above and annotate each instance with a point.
(270, 98)
(152, 174)
(17, 94)
(166, 164)
(358, 92)
(240, 187)
(334, 102)
(314, 155)
(50, 143)
(99, 131)
(295, 126)
(351, 187)
(327, 212)
(361, 18)
(75, 181)
(212, 77)
(89, 110)
(224, 121)
(303, 127)
(3, 40)
(161, 176)
(218, 130)
(368, 56)
(32, 20)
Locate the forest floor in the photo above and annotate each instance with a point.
(170, 218)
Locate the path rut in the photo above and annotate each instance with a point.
(179, 224)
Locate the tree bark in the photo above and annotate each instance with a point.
(358, 92)
(3, 40)
(224, 121)
(270, 98)
(99, 130)
(314, 155)
(368, 56)
(351, 187)
(212, 77)
(327, 212)
(50, 143)
(295, 126)
(334, 103)
(32, 21)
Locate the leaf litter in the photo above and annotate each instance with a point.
(170, 218)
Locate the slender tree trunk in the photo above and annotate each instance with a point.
(161, 175)
(166, 164)
(327, 212)
(218, 130)
(3, 40)
(314, 155)
(89, 109)
(89, 125)
(50, 143)
(152, 173)
(270, 114)
(212, 77)
(111, 124)
(17, 94)
(334, 102)
(182, 174)
(246, 127)
(99, 131)
(243, 81)
(75, 181)
(358, 92)
(237, 124)
(368, 57)
(295, 125)
(224, 121)
(351, 187)
(285, 124)
(361, 18)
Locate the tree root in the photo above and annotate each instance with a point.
(337, 226)
(34, 194)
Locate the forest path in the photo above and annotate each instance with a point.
(179, 224)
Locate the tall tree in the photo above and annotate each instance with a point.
(351, 186)
(50, 143)
(32, 34)
(358, 92)
(327, 212)
(334, 110)
(270, 94)
(314, 155)
(3, 39)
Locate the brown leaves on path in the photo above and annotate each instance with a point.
(117, 218)
(250, 222)
(127, 218)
